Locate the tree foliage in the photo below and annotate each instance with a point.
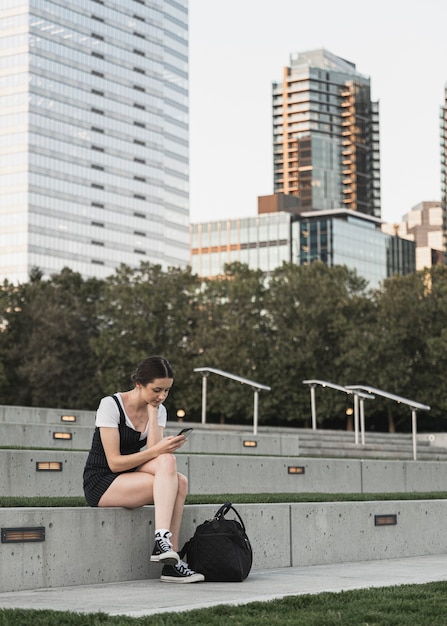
(66, 341)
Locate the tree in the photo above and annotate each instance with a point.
(147, 311)
(233, 337)
(48, 325)
(410, 320)
(311, 309)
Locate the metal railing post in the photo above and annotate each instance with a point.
(356, 419)
(413, 430)
(313, 407)
(362, 420)
(204, 379)
(255, 410)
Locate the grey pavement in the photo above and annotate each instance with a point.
(149, 597)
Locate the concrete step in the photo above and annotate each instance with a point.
(45, 428)
(207, 441)
(219, 474)
(81, 546)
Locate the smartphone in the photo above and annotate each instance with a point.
(185, 432)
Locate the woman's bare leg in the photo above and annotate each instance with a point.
(165, 487)
(130, 490)
(157, 482)
(177, 514)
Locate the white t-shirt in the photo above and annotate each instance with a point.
(108, 415)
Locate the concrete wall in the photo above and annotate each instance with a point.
(86, 546)
(214, 474)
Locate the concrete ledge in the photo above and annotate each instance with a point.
(87, 546)
(214, 474)
(208, 441)
(41, 415)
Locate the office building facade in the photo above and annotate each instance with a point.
(262, 242)
(93, 135)
(353, 239)
(285, 234)
(326, 135)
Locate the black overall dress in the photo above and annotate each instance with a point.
(97, 474)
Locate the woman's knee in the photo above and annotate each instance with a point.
(165, 463)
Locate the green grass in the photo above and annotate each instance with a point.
(405, 605)
(236, 498)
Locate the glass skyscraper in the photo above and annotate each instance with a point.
(93, 135)
(326, 135)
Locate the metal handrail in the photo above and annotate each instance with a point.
(257, 387)
(358, 396)
(414, 406)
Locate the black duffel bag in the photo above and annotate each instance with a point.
(220, 548)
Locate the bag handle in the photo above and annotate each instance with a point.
(224, 509)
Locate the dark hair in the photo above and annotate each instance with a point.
(151, 368)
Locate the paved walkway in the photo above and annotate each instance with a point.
(148, 597)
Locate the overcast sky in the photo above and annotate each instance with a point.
(238, 47)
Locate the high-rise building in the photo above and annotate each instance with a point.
(443, 125)
(423, 225)
(93, 135)
(326, 135)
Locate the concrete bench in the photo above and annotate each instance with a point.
(29, 473)
(85, 546)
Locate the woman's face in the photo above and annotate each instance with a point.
(156, 392)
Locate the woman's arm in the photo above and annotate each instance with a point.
(118, 462)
